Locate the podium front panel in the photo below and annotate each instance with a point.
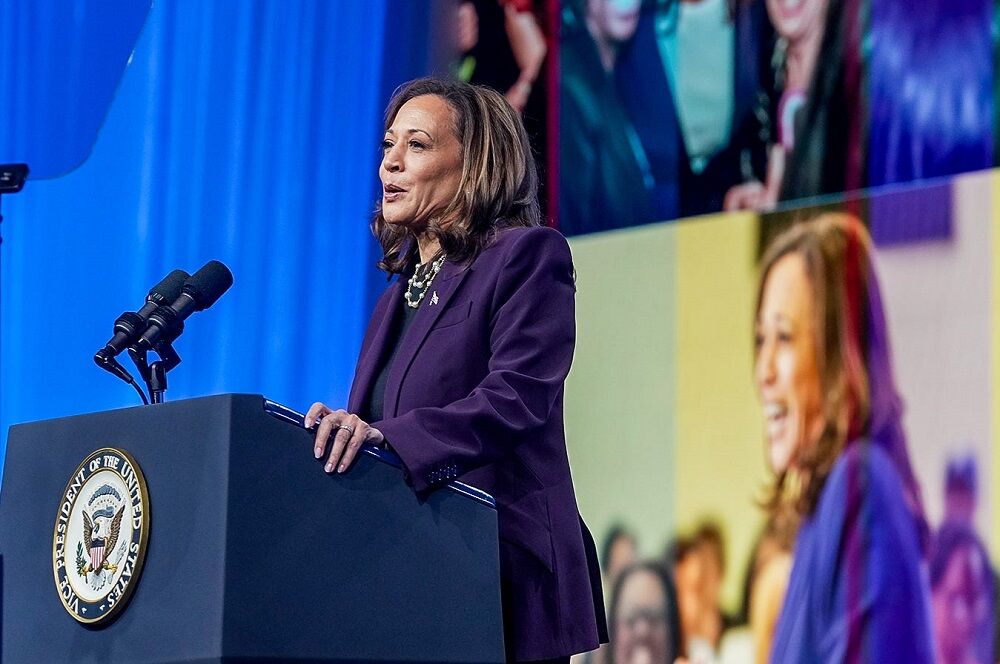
(254, 552)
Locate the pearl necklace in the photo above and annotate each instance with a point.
(423, 283)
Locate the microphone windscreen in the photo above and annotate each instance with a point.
(208, 284)
(169, 289)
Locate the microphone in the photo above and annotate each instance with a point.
(129, 326)
(200, 291)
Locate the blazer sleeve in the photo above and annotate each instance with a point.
(532, 334)
(877, 577)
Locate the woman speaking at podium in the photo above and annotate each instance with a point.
(462, 366)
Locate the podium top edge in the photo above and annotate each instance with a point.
(295, 418)
(286, 414)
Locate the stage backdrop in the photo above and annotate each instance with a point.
(248, 132)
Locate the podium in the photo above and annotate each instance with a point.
(254, 553)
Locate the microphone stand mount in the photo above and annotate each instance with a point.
(155, 374)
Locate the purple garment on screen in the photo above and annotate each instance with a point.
(885, 422)
(930, 73)
(858, 590)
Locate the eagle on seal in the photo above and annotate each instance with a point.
(100, 543)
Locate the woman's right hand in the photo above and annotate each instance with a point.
(746, 196)
(346, 430)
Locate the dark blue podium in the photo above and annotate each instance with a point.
(255, 554)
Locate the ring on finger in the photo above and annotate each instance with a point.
(348, 429)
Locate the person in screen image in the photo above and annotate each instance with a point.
(800, 26)
(618, 553)
(835, 443)
(604, 180)
(698, 564)
(961, 502)
(766, 583)
(523, 38)
(462, 368)
(961, 491)
(644, 620)
(961, 594)
(691, 80)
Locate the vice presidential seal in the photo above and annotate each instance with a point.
(100, 536)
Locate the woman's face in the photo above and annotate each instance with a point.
(623, 555)
(787, 369)
(421, 162)
(797, 19)
(468, 27)
(615, 19)
(641, 632)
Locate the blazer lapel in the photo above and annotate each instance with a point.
(372, 352)
(443, 287)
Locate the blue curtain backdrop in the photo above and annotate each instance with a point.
(242, 131)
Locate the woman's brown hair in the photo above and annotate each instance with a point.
(499, 183)
(835, 249)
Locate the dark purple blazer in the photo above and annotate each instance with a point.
(476, 392)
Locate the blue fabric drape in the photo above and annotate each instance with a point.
(242, 131)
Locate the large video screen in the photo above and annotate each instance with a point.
(712, 135)
(674, 108)
(676, 413)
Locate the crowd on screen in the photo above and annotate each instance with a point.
(671, 607)
(674, 108)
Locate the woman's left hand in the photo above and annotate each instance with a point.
(346, 431)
